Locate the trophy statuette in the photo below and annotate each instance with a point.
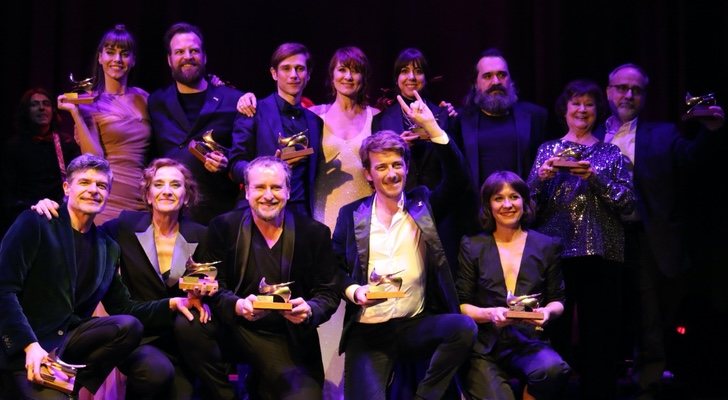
(568, 158)
(521, 307)
(199, 277)
(294, 146)
(201, 148)
(378, 291)
(273, 297)
(699, 106)
(58, 375)
(81, 91)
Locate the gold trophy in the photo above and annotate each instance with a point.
(199, 277)
(57, 374)
(294, 146)
(699, 106)
(377, 290)
(568, 158)
(201, 148)
(81, 91)
(522, 307)
(273, 297)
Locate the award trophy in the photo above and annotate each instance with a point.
(522, 307)
(568, 158)
(273, 297)
(57, 374)
(294, 146)
(199, 277)
(378, 290)
(201, 148)
(81, 91)
(699, 106)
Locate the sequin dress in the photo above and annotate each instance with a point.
(585, 214)
(340, 178)
(124, 129)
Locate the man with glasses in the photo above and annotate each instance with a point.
(655, 244)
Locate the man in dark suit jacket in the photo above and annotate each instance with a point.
(495, 130)
(393, 233)
(52, 276)
(186, 110)
(267, 242)
(655, 237)
(280, 115)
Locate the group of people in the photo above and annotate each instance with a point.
(370, 201)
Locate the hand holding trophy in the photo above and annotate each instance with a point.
(199, 278)
(273, 297)
(379, 284)
(57, 374)
(568, 158)
(201, 148)
(522, 306)
(81, 91)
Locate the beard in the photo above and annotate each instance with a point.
(496, 103)
(189, 77)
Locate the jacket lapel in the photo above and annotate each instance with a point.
(146, 240)
(175, 108)
(362, 226)
(470, 142)
(242, 247)
(212, 102)
(289, 238)
(269, 109)
(523, 133)
(65, 233)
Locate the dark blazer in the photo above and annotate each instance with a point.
(258, 136)
(661, 152)
(307, 260)
(480, 281)
(530, 125)
(139, 265)
(424, 167)
(38, 291)
(173, 132)
(351, 238)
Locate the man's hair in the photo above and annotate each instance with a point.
(491, 52)
(581, 87)
(492, 185)
(191, 190)
(379, 143)
(354, 59)
(287, 50)
(24, 124)
(88, 161)
(119, 37)
(267, 162)
(632, 66)
(410, 55)
(182, 27)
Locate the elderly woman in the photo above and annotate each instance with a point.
(510, 259)
(581, 202)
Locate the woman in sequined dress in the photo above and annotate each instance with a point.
(582, 205)
(116, 125)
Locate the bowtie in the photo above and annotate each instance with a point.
(292, 111)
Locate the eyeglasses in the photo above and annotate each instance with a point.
(623, 89)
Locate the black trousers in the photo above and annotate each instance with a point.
(373, 349)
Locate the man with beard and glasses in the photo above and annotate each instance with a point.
(186, 110)
(266, 241)
(495, 130)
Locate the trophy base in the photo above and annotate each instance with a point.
(79, 98)
(697, 112)
(198, 150)
(55, 378)
(287, 154)
(384, 295)
(272, 305)
(193, 283)
(524, 315)
(565, 164)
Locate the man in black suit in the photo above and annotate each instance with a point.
(394, 233)
(281, 115)
(52, 276)
(495, 130)
(186, 110)
(266, 241)
(655, 240)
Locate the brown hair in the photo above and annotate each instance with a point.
(191, 191)
(354, 59)
(379, 143)
(492, 185)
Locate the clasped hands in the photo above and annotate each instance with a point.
(300, 313)
(547, 170)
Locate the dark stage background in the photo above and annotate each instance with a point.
(681, 44)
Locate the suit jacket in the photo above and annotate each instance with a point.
(424, 167)
(38, 286)
(258, 136)
(173, 132)
(480, 280)
(530, 126)
(307, 260)
(351, 238)
(661, 152)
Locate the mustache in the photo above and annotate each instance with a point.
(496, 87)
